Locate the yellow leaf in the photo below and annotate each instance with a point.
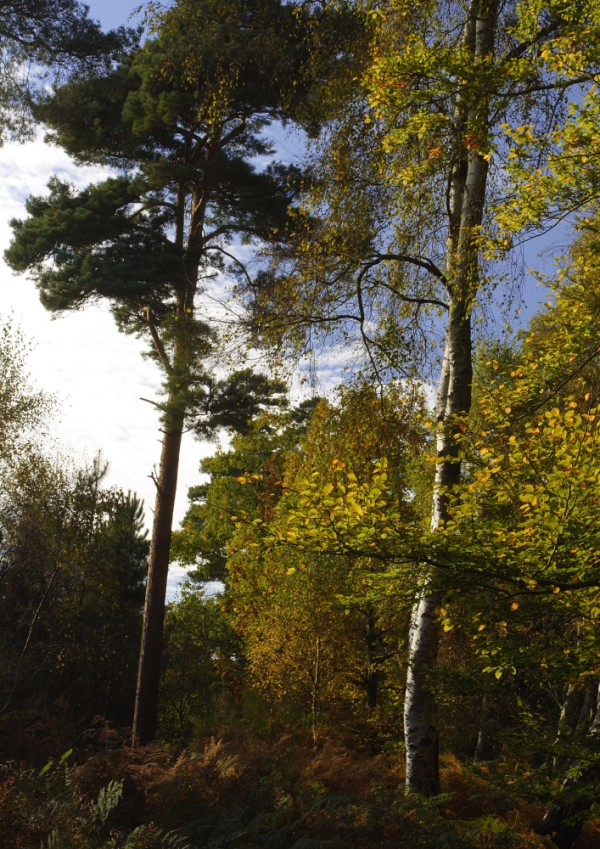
(514, 605)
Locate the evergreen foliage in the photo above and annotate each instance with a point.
(183, 137)
(73, 557)
(44, 41)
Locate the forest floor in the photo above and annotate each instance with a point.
(278, 793)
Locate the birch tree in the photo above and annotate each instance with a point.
(444, 159)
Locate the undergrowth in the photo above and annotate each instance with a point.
(253, 795)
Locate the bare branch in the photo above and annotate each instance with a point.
(29, 633)
(154, 403)
(236, 260)
(420, 261)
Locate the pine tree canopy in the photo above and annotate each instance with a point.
(48, 39)
(124, 239)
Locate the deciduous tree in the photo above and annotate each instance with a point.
(326, 609)
(421, 188)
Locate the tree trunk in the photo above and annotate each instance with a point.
(454, 400)
(315, 691)
(466, 200)
(564, 820)
(565, 729)
(482, 745)
(178, 373)
(146, 699)
(590, 697)
(372, 676)
(420, 733)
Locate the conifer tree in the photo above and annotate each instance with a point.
(183, 136)
(49, 38)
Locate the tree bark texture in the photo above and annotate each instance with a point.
(420, 733)
(466, 201)
(146, 699)
(566, 725)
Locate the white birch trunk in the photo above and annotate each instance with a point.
(565, 726)
(467, 187)
(420, 735)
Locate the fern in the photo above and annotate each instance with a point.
(270, 830)
(108, 799)
(150, 838)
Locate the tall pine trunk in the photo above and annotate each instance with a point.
(146, 698)
(178, 371)
(466, 200)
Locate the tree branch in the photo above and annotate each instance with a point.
(236, 260)
(420, 262)
(29, 633)
(160, 348)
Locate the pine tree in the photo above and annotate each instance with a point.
(51, 39)
(183, 138)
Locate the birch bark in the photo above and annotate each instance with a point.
(466, 201)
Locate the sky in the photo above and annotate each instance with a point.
(114, 13)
